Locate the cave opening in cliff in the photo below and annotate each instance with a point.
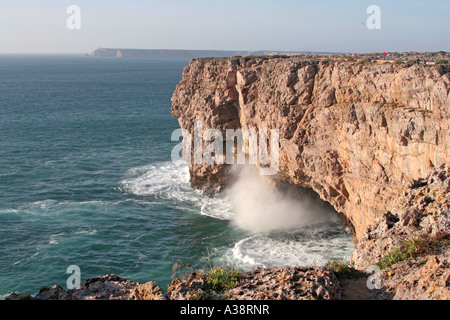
(264, 204)
(286, 224)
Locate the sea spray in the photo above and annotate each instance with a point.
(261, 207)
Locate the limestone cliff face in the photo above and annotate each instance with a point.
(357, 134)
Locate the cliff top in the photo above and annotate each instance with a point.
(406, 58)
(428, 57)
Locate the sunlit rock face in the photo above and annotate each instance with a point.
(357, 134)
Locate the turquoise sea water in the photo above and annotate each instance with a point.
(86, 179)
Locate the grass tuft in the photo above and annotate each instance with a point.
(341, 269)
(220, 279)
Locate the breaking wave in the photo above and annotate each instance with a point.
(170, 181)
(276, 229)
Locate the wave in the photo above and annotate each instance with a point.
(50, 207)
(3, 296)
(159, 180)
(303, 248)
(170, 182)
(275, 230)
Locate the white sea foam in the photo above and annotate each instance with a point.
(3, 296)
(285, 230)
(219, 208)
(156, 180)
(42, 204)
(170, 181)
(87, 232)
(54, 238)
(9, 210)
(263, 250)
(289, 228)
(51, 207)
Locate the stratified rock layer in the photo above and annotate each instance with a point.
(358, 134)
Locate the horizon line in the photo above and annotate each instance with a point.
(220, 50)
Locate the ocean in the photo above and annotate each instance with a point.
(86, 179)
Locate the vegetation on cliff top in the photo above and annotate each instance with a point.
(410, 248)
(219, 279)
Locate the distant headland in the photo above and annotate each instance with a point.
(188, 54)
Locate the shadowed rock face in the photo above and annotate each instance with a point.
(357, 134)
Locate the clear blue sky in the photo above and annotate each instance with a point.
(39, 26)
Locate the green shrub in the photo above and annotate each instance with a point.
(392, 257)
(219, 279)
(341, 269)
(410, 248)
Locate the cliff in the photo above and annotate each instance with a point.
(370, 136)
(356, 132)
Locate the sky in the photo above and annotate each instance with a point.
(40, 26)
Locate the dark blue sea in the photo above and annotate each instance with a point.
(87, 179)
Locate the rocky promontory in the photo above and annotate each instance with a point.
(369, 134)
(355, 132)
